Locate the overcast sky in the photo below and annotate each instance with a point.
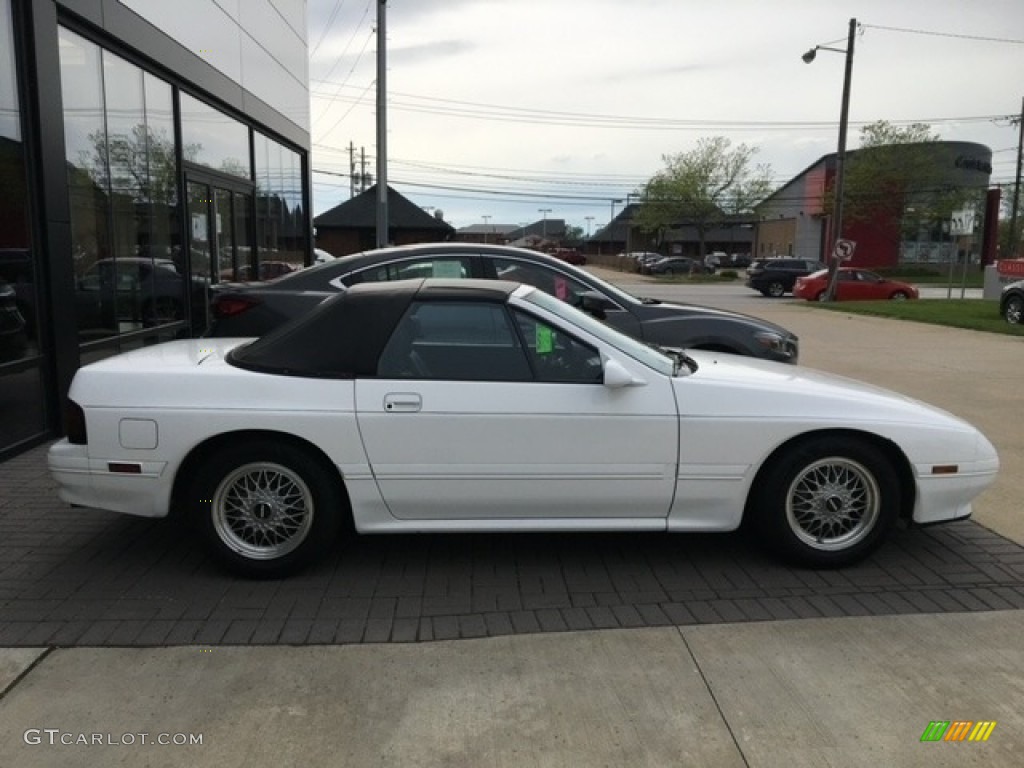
(500, 108)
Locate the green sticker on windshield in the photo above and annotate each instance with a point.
(545, 340)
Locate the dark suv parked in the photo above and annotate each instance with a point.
(774, 277)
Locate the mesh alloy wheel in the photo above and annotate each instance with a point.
(833, 504)
(262, 510)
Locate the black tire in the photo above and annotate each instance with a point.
(826, 503)
(668, 271)
(899, 296)
(822, 296)
(266, 509)
(1013, 310)
(776, 289)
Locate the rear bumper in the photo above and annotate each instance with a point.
(89, 482)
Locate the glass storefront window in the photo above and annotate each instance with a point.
(280, 218)
(122, 175)
(213, 139)
(22, 410)
(88, 177)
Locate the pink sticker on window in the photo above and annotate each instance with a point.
(561, 288)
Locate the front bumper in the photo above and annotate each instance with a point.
(946, 497)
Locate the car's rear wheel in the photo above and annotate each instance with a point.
(266, 509)
(776, 289)
(828, 502)
(1013, 310)
(899, 296)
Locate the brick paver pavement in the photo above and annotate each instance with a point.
(74, 577)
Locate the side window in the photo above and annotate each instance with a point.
(557, 284)
(457, 341)
(450, 267)
(555, 356)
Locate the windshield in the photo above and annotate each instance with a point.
(639, 351)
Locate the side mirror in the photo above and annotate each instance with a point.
(617, 377)
(593, 303)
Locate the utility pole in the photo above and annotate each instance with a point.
(382, 126)
(844, 116)
(362, 170)
(351, 170)
(1012, 241)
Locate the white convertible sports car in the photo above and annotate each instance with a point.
(468, 405)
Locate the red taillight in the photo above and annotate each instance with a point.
(229, 306)
(74, 423)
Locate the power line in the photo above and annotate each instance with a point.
(945, 34)
(501, 113)
(341, 55)
(327, 27)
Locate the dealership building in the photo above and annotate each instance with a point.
(147, 151)
(794, 221)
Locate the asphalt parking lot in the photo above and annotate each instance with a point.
(85, 578)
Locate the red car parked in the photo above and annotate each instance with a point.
(570, 256)
(853, 285)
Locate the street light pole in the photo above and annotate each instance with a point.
(382, 126)
(840, 180)
(544, 223)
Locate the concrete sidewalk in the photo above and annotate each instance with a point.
(836, 692)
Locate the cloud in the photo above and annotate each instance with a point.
(648, 73)
(429, 51)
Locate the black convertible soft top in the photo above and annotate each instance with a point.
(344, 335)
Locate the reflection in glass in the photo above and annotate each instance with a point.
(22, 391)
(200, 247)
(18, 306)
(243, 238)
(226, 268)
(280, 218)
(213, 139)
(22, 413)
(122, 176)
(88, 180)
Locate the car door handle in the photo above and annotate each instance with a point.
(402, 402)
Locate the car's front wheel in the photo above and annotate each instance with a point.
(899, 296)
(828, 502)
(1013, 309)
(776, 289)
(266, 509)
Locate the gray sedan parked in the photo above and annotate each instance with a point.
(253, 309)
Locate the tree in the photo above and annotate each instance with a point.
(572, 233)
(702, 188)
(140, 165)
(897, 168)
